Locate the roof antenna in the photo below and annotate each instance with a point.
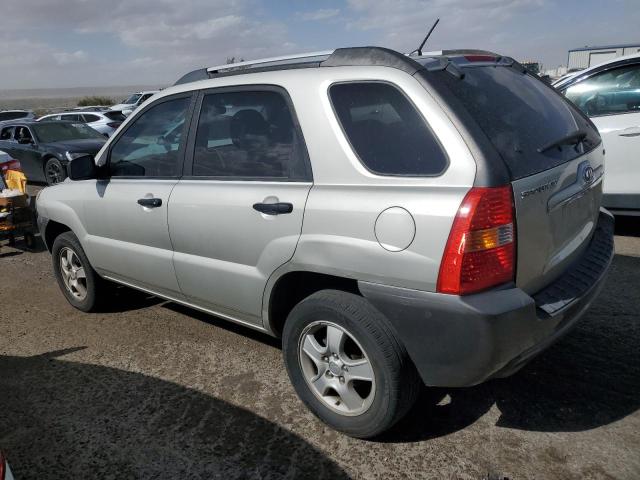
(419, 49)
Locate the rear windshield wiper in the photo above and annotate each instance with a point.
(572, 139)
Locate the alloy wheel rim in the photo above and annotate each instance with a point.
(73, 273)
(336, 368)
(54, 173)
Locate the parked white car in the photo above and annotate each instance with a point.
(133, 102)
(609, 94)
(104, 122)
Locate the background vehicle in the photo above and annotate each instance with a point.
(104, 122)
(609, 94)
(15, 114)
(394, 219)
(133, 102)
(45, 148)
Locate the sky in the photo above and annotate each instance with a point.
(73, 43)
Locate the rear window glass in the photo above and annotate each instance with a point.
(116, 116)
(88, 118)
(386, 131)
(12, 115)
(520, 115)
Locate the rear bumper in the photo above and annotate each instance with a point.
(457, 341)
(622, 204)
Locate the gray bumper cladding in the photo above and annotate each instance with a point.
(458, 341)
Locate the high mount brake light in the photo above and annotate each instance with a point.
(480, 58)
(480, 251)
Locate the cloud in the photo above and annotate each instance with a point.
(178, 36)
(317, 15)
(67, 58)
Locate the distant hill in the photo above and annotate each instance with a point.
(54, 98)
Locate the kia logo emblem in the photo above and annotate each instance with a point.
(588, 174)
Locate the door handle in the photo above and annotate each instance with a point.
(273, 208)
(630, 132)
(150, 202)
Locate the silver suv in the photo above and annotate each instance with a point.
(395, 220)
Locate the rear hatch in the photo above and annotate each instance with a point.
(552, 152)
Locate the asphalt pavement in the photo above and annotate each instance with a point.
(150, 389)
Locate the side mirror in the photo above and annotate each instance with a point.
(83, 168)
(25, 141)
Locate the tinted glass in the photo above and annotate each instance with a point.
(248, 135)
(6, 132)
(90, 118)
(150, 146)
(72, 117)
(12, 115)
(518, 113)
(132, 99)
(386, 131)
(607, 93)
(60, 132)
(115, 116)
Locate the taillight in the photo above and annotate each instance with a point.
(10, 165)
(114, 124)
(480, 251)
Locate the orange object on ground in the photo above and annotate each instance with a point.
(15, 180)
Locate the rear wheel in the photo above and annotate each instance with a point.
(347, 365)
(78, 281)
(54, 171)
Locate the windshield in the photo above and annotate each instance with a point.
(519, 114)
(60, 132)
(132, 99)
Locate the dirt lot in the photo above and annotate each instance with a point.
(149, 389)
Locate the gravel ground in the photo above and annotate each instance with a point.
(150, 389)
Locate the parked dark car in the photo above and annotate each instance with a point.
(45, 148)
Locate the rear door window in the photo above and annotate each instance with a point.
(248, 135)
(386, 131)
(518, 113)
(88, 118)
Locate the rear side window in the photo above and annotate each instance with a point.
(88, 118)
(386, 131)
(519, 114)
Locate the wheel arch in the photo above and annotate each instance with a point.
(52, 231)
(291, 287)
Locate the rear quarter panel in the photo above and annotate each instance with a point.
(338, 235)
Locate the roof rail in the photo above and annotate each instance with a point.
(311, 57)
(462, 51)
(352, 56)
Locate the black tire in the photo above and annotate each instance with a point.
(397, 383)
(54, 171)
(94, 284)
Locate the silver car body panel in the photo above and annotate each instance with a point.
(188, 252)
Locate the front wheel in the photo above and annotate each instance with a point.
(54, 171)
(347, 365)
(77, 279)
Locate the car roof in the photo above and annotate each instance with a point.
(73, 112)
(340, 57)
(32, 121)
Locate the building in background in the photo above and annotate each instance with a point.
(580, 58)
